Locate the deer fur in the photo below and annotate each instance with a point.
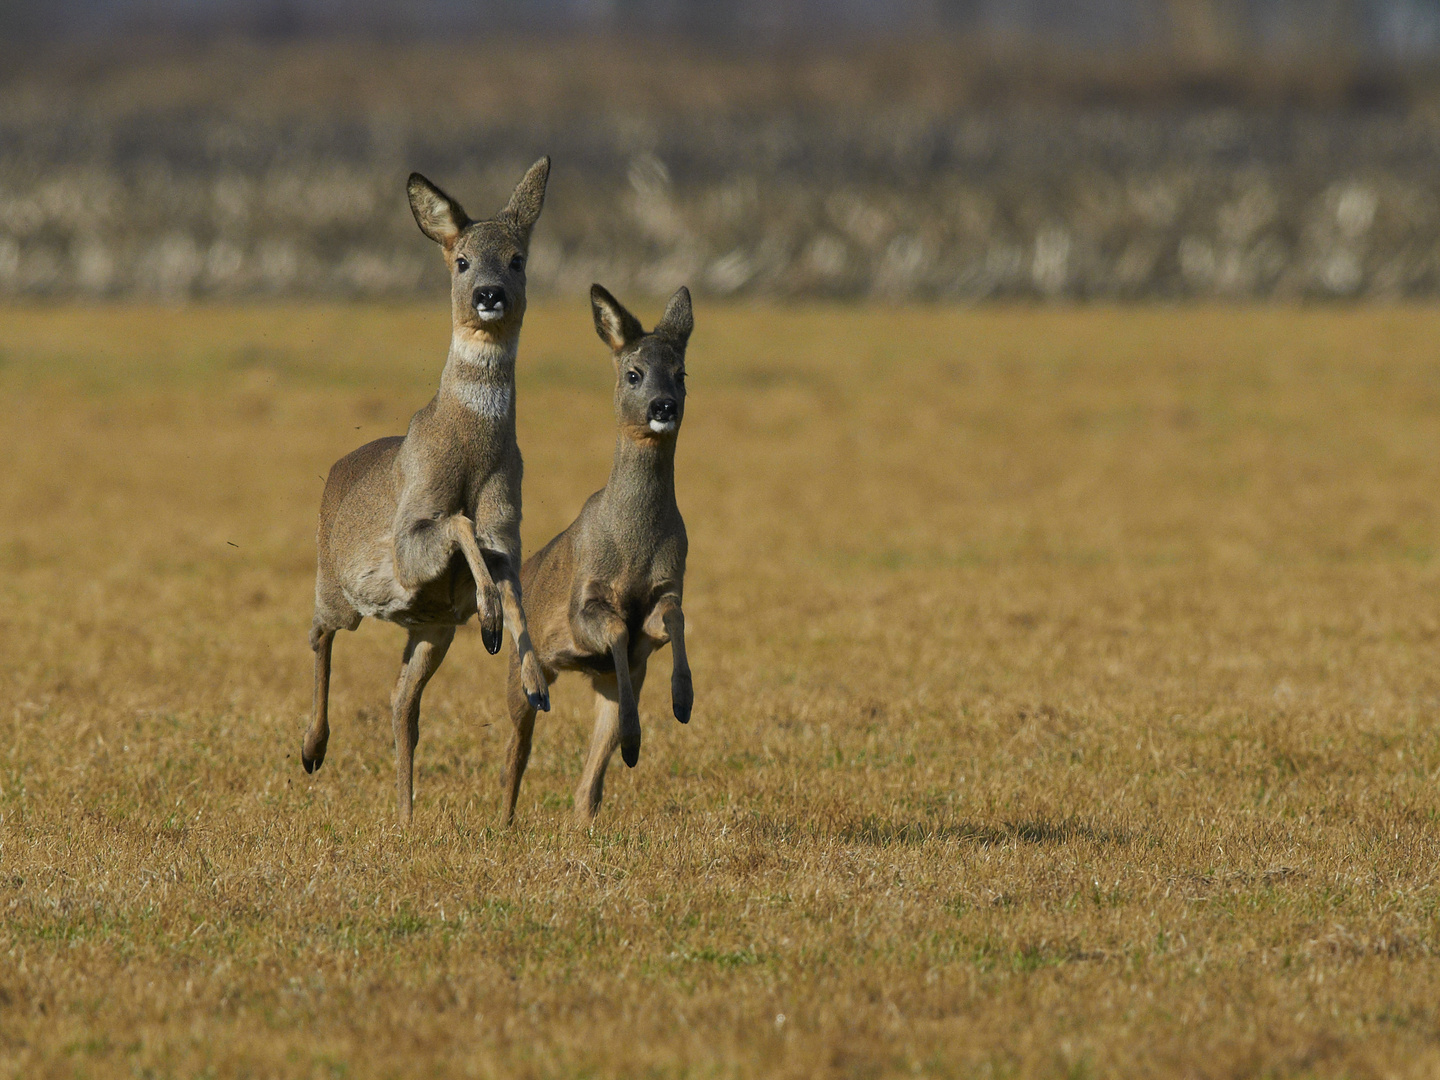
(424, 530)
(606, 592)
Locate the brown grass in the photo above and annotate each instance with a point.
(1065, 706)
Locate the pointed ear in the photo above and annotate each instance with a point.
(616, 326)
(439, 216)
(679, 319)
(529, 196)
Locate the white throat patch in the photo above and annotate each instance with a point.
(487, 399)
(481, 376)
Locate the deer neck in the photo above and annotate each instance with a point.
(642, 478)
(479, 375)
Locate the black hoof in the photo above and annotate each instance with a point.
(630, 752)
(312, 757)
(491, 636)
(540, 701)
(682, 696)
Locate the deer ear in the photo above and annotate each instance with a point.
(616, 326)
(679, 319)
(529, 196)
(439, 216)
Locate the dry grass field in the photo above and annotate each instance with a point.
(1066, 690)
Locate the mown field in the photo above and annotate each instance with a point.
(1065, 706)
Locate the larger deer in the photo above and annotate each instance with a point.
(605, 593)
(424, 530)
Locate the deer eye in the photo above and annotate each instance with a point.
(462, 264)
(632, 377)
(680, 378)
(517, 263)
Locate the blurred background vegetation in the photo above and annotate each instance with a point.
(926, 149)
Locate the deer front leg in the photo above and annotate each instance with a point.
(487, 596)
(424, 541)
(601, 629)
(667, 620)
(532, 675)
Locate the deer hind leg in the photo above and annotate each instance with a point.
(424, 651)
(522, 717)
(312, 754)
(604, 738)
(333, 613)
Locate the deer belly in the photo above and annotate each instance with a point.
(449, 600)
(641, 647)
(596, 663)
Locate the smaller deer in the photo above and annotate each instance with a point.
(605, 593)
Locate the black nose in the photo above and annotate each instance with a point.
(489, 297)
(664, 409)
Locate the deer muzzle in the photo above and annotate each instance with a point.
(489, 303)
(664, 414)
